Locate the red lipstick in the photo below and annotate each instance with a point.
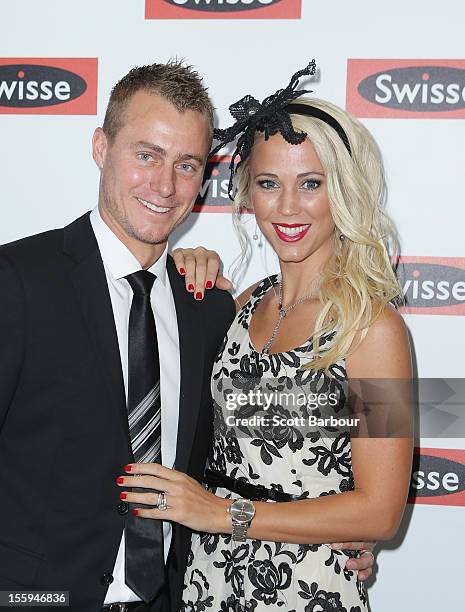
(295, 237)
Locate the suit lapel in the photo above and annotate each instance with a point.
(91, 290)
(191, 348)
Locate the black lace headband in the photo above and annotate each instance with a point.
(270, 117)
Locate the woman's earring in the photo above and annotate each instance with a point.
(342, 237)
(255, 234)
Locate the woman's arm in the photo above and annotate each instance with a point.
(381, 467)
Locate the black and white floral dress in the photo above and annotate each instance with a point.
(259, 576)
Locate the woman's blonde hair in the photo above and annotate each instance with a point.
(358, 280)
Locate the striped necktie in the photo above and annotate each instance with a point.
(144, 560)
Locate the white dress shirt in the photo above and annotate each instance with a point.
(118, 262)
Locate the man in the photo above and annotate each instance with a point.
(106, 360)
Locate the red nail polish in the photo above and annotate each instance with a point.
(127, 468)
(123, 495)
(209, 285)
(198, 295)
(182, 271)
(190, 287)
(120, 479)
(135, 511)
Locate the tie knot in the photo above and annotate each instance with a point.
(141, 282)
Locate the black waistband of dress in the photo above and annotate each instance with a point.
(254, 492)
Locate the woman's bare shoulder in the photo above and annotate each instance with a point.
(384, 350)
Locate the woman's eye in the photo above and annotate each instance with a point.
(144, 156)
(267, 184)
(311, 184)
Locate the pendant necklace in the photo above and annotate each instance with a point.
(282, 312)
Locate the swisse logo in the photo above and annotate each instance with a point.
(222, 5)
(438, 477)
(425, 88)
(52, 86)
(403, 88)
(213, 195)
(433, 285)
(28, 85)
(223, 9)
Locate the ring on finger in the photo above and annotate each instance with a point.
(369, 552)
(162, 505)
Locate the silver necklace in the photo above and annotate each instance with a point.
(282, 312)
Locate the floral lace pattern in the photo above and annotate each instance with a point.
(258, 576)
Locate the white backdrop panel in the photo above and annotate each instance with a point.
(47, 176)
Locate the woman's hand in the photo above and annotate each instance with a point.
(201, 270)
(188, 503)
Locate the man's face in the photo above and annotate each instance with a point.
(152, 170)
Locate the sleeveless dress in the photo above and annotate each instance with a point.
(260, 576)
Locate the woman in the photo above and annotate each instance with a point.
(313, 177)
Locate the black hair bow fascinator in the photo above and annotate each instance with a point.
(268, 117)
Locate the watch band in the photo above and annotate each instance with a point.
(242, 512)
(239, 531)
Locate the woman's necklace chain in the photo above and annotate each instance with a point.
(282, 312)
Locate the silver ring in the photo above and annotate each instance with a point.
(364, 552)
(161, 505)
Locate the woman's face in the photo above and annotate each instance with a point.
(290, 199)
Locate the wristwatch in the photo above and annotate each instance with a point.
(242, 512)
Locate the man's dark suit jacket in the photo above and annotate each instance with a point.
(63, 423)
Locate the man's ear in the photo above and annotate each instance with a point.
(99, 147)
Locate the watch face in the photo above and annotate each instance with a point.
(242, 510)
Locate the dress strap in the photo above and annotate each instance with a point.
(257, 294)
